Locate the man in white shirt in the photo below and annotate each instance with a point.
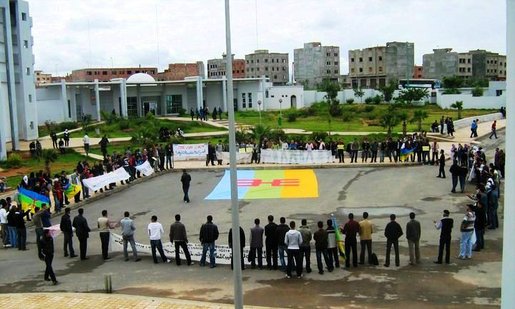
(155, 231)
(292, 240)
(3, 222)
(85, 139)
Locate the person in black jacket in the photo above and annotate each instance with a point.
(281, 231)
(441, 163)
(392, 232)
(242, 245)
(66, 228)
(208, 236)
(445, 225)
(185, 179)
(271, 243)
(82, 231)
(21, 231)
(46, 244)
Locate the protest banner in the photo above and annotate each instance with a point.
(145, 169)
(189, 151)
(98, 182)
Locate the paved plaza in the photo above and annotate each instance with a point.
(381, 191)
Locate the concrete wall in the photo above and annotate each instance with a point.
(291, 96)
(466, 122)
(446, 100)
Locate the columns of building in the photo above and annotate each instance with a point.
(97, 100)
(64, 99)
(224, 92)
(508, 267)
(123, 98)
(11, 91)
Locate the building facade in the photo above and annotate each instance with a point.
(216, 68)
(315, 63)
(18, 113)
(42, 78)
(374, 67)
(441, 63)
(106, 74)
(179, 71)
(274, 66)
(488, 65)
(418, 72)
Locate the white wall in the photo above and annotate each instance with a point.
(446, 100)
(290, 95)
(50, 110)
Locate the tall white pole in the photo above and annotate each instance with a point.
(238, 289)
(508, 256)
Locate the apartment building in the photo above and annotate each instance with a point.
(314, 63)
(42, 78)
(216, 68)
(179, 71)
(106, 74)
(373, 67)
(272, 65)
(18, 113)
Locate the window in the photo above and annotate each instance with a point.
(328, 71)
(173, 103)
(26, 43)
(352, 70)
(380, 69)
(468, 70)
(360, 70)
(28, 71)
(284, 68)
(275, 76)
(468, 60)
(23, 16)
(132, 106)
(69, 109)
(104, 72)
(370, 69)
(336, 63)
(328, 54)
(243, 102)
(369, 58)
(380, 58)
(266, 60)
(335, 71)
(266, 69)
(250, 100)
(257, 60)
(30, 98)
(351, 59)
(336, 54)
(328, 62)
(88, 72)
(360, 59)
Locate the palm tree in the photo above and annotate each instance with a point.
(459, 106)
(359, 93)
(418, 117)
(390, 119)
(49, 156)
(258, 132)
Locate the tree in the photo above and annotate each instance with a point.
(477, 91)
(258, 132)
(390, 119)
(331, 88)
(451, 84)
(459, 106)
(388, 90)
(48, 156)
(418, 117)
(412, 94)
(359, 93)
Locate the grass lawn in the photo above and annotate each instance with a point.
(358, 118)
(125, 128)
(65, 162)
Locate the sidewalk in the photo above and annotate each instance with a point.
(95, 300)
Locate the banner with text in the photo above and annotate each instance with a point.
(296, 156)
(223, 253)
(189, 151)
(98, 182)
(145, 169)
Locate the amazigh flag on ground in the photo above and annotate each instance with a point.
(71, 190)
(30, 200)
(339, 239)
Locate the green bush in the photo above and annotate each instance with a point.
(124, 124)
(477, 91)
(276, 135)
(70, 125)
(369, 100)
(182, 111)
(377, 99)
(347, 116)
(369, 108)
(349, 101)
(335, 110)
(316, 136)
(14, 160)
(291, 116)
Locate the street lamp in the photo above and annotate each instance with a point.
(280, 112)
(259, 109)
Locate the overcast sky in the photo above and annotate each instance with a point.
(73, 34)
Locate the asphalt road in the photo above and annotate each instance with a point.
(380, 191)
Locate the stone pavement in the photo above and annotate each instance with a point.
(95, 300)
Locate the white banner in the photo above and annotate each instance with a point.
(223, 253)
(241, 157)
(189, 151)
(296, 156)
(96, 183)
(145, 169)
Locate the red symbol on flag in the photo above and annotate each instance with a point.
(256, 182)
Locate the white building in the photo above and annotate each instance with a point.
(18, 116)
(140, 94)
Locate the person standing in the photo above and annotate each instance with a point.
(21, 230)
(128, 229)
(103, 145)
(66, 137)
(104, 232)
(332, 250)
(271, 243)
(366, 229)
(281, 230)
(38, 226)
(46, 253)
(467, 229)
(445, 226)
(392, 232)
(155, 231)
(441, 164)
(66, 228)
(413, 236)
(242, 245)
(11, 226)
(53, 136)
(178, 235)
(85, 140)
(3, 223)
(185, 180)
(208, 236)
(305, 247)
(320, 237)
(292, 240)
(256, 245)
(351, 229)
(169, 155)
(82, 231)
